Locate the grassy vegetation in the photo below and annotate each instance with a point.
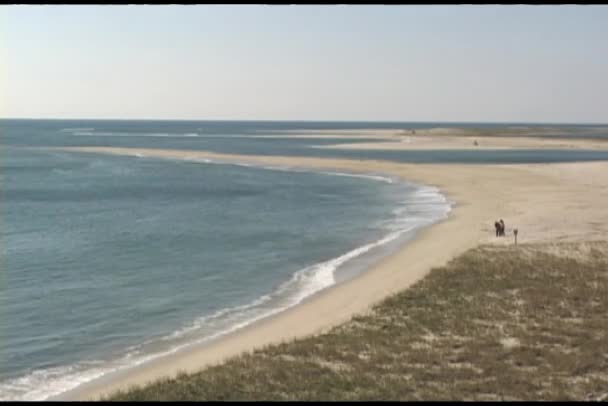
(577, 132)
(498, 323)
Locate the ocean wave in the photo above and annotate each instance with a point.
(358, 175)
(424, 206)
(76, 129)
(91, 133)
(303, 284)
(285, 168)
(42, 384)
(310, 280)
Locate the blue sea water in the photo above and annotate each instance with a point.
(239, 137)
(109, 261)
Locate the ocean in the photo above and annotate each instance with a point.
(110, 261)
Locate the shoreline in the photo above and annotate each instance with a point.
(369, 253)
(478, 194)
(452, 138)
(386, 245)
(343, 266)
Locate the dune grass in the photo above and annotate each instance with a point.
(498, 323)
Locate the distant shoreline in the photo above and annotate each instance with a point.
(385, 123)
(462, 139)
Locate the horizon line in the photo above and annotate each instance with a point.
(304, 121)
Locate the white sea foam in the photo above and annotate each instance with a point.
(358, 175)
(424, 206)
(89, 132)
(302, 284)
(285, 168)
(76, 129)
(41, 384)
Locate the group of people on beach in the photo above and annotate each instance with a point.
(500, 228)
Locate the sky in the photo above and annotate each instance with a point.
(463, 63)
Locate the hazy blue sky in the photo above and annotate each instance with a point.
(402, 63)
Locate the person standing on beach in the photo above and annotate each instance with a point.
(502, 228)
(497, 228)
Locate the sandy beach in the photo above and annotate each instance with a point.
(548, 203)
(419, 142)
(456, 138)
(450, 138)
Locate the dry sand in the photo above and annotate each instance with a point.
(435, 141)
(451, 138)
(546, 202)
